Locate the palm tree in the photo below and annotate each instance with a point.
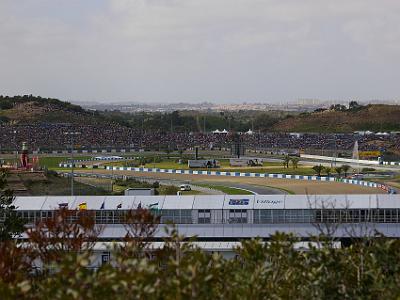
(338, 170)
(286, 161)
(318, 169)
(328, 171)
(345, 169)
(295, 162)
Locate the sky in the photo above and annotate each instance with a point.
(200, 50)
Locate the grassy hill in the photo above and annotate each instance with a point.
(371, 117)
(29, 109)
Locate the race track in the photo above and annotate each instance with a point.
(268, 185)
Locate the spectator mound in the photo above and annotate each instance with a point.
(370, 117)
(31, 110)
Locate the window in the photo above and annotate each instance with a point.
(237, 216)
(278, 215)
(204, 216)
(105, 258)
(177, 216)
(262, 216)
(186, 216)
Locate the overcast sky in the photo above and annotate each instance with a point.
(200, 50)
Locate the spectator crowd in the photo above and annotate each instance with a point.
(62, 136)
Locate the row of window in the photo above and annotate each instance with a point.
(257, 216)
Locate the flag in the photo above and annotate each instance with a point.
(153, 206)
(103, 205)
(82, 206)
(119, 205)
(63, 205)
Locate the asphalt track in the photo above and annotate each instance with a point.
(256, 189)
(258, 185)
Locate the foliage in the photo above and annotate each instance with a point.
(132, 183)
(338, 107)
(11, 226)
(367, 269)
(338, 170)
(345, 169)
(295, 162)
(286, 161)
(328, 170)
(318, 169)
(168, 190)
(54, 264)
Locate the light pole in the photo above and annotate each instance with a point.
(72, 134)
(16, 148)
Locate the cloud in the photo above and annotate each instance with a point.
(190, 50)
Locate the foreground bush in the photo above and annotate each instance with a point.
(53, 260)
(275, 270)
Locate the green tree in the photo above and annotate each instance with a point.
(345, 169)
(318, 169)
(328, 171)
(286, 161)
(295, 161)
(12, 225)
(338, 170)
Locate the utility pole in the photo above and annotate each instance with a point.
(72, 134)
(16, 148)
(335, 154)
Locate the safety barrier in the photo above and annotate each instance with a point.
(236, 174)
(350, 160)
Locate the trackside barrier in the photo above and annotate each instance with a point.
(307, 156)
(236, 174)
(105, 158)
(349, 160)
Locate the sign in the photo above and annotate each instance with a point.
(268, 201)
(239, 202)
(369, 154)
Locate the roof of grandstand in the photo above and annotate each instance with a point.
(209, 202)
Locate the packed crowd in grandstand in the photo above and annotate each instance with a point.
(59, 137)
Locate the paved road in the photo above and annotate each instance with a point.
(256, 189)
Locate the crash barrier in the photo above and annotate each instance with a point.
(235, 174)
(350, 160)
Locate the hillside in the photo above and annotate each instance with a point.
(371, 117)
(30, 110)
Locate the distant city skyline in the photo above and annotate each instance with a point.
(219, 51)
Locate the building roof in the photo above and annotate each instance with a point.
(211, 202)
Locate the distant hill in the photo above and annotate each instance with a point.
(29, 109)
(371, 117)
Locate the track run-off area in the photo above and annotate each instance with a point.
(286, 185)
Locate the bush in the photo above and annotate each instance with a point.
(366, 170)
(168, 190)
